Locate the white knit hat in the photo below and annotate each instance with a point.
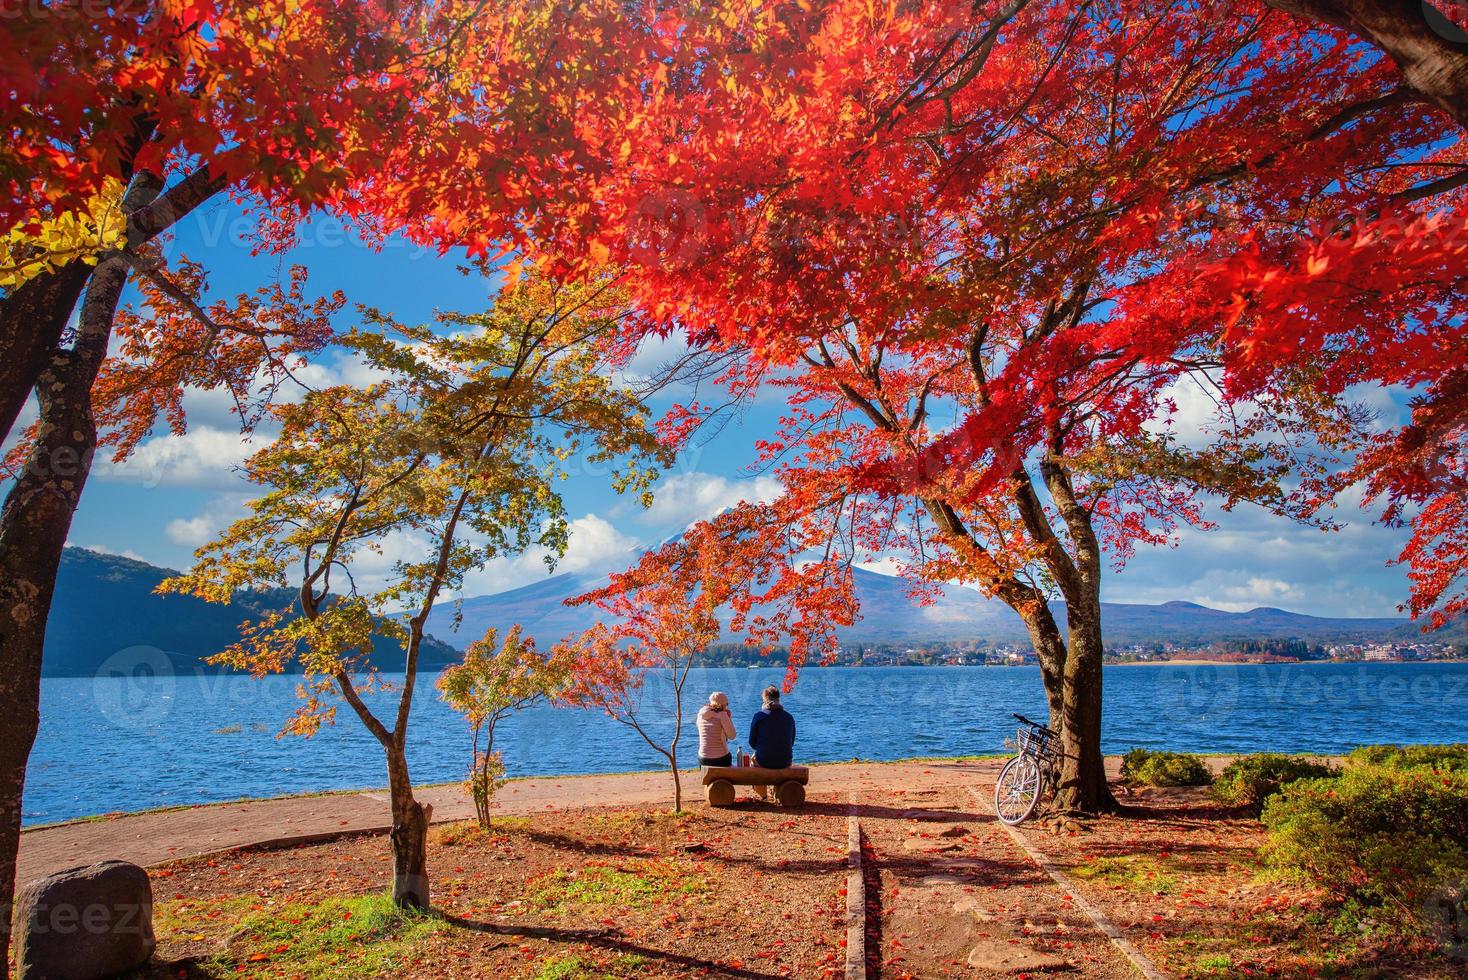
(719, 700)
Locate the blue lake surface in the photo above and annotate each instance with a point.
(130, 741)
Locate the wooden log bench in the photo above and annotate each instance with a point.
(789, 783)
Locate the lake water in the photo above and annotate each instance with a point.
(132, 740)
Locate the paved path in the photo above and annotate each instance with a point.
(161, 836)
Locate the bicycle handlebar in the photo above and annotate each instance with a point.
(1032, 724)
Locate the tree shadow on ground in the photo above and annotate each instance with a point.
(872, 811)
(188, 968)
(564, 842)
(971, 868)
(1185, 815)
(871, 883)
(605, 940)
(644, 850)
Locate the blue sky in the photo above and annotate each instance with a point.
(178, 491)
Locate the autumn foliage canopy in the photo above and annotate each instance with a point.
(980, 247)
(1086, 202)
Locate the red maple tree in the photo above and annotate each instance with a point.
(980, 245)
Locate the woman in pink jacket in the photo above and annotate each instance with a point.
(715, 728)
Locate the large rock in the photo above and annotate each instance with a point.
(85, 923)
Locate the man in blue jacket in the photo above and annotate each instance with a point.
(772, 735)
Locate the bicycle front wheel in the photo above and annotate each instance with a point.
(1017, 791)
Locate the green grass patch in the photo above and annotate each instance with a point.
(624, 884)
(1134, 872)
(581, 968)
(1213, 965)
(365, 936)
(1307, 954)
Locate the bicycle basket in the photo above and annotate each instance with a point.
(1032, 742)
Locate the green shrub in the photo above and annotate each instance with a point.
(1250, 779)
(1451, 758)
(1151, 768)
(1372, 836)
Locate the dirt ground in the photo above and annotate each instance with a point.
(748, 892)
(752, 891)
(958, 897)
(757, 891)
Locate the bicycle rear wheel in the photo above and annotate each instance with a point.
(1017, 790)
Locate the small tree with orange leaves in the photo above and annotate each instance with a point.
(664, 612)
(491, 683)
(662, 624)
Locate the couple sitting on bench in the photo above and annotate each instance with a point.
(771, 734)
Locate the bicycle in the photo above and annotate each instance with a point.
(1029, 776)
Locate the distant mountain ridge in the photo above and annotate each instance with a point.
(889, 615)
(105, 605)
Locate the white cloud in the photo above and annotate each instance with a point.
(1387, 404)
(593, 542)
(337, 368)
(654, 357)
(191, 532)
(208, 454)
(372, 568)
(1257, 559)
(595, 546)
(885, 565)
(214, 445)
(219, 513)
(1259, 591)
(202, 457)
(1197, 409)
(688, 497)
(1240, 589)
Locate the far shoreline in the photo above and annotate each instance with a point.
(1201, 662)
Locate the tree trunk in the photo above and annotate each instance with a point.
(32, 319)
(481, 798)
(677, 784)
(1083, 787)
(23, 590)
(479, 772)
(33, 530)
(34, 525)
(1051, 652)
(1430, 50)
(409, 836)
